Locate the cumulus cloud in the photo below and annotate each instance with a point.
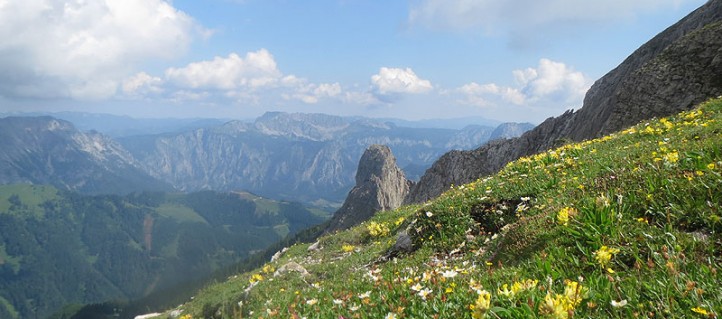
(257, 69)
(396, 80)
(142, 84)
(518, 18)
(83, 49)
(550, 84)
(310, 93)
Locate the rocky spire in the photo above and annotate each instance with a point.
(380, 185)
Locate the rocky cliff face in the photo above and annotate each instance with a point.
(45, 150)
(677, 69)
(380, 185)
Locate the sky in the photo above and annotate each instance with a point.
(507, 60)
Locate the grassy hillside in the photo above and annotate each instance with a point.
(627, 225)
(59, 248)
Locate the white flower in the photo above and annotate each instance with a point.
(449, 274)
(312, 302)
(424, 293)
(618, 304)
(354, 307)
(429, 214)
(337, 302)
(390, 315)
(365, 295)
(417, 287)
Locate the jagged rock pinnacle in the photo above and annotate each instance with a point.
(380, 185)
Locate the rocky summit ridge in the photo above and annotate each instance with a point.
(677, 69)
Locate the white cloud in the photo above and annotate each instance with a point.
(395, 80)
(519, 18)
(82, 49)
(141, 84)
(257, 69)
(551, 84)
(310, 93)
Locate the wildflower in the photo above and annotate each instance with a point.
(312, 302)
(390, 315)
(563, 215)
(603, 200)
(423, 293)
(449, 274)
(377, 229)
(417, 287)
(365, 295)
(700, 311)
(347, 248)
(268, 269)
(711, 166)
(354, 308)
(554, 306)
(672, 157)
(256, 278)
(399, 221)
(604, 255)
(338, 302)
(482, 305)
(574, 293)
(643, 220)
(619, 304)
(504, 291)
(429, 214)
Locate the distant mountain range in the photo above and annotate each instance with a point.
(301, 157)
(305, 157)
(44, 150)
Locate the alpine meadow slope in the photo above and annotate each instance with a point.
(625, 225)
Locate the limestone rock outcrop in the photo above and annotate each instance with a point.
(380, 185)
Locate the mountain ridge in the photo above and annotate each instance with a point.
(675, 70)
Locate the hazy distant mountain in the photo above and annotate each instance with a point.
(306, 157)
(452, 123)
(44, 150)
(119, 126)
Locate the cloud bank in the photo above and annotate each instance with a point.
(82, 49)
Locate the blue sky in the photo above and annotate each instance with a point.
(513, 60)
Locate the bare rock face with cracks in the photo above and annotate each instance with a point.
(673, 72)
(380, 185)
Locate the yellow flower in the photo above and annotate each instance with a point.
(554, 307)
(563, 215)
(574, 293)
(347, 248)
(482, 305)
(711, 166)
(399, 221)
(700, 311)
(672, 157)
(504, 291)
(377, 229)
(268, 269)
(256, 278)
(604, 255)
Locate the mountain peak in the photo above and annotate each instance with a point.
(380, 185)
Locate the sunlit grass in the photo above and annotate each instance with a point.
(626, 225)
